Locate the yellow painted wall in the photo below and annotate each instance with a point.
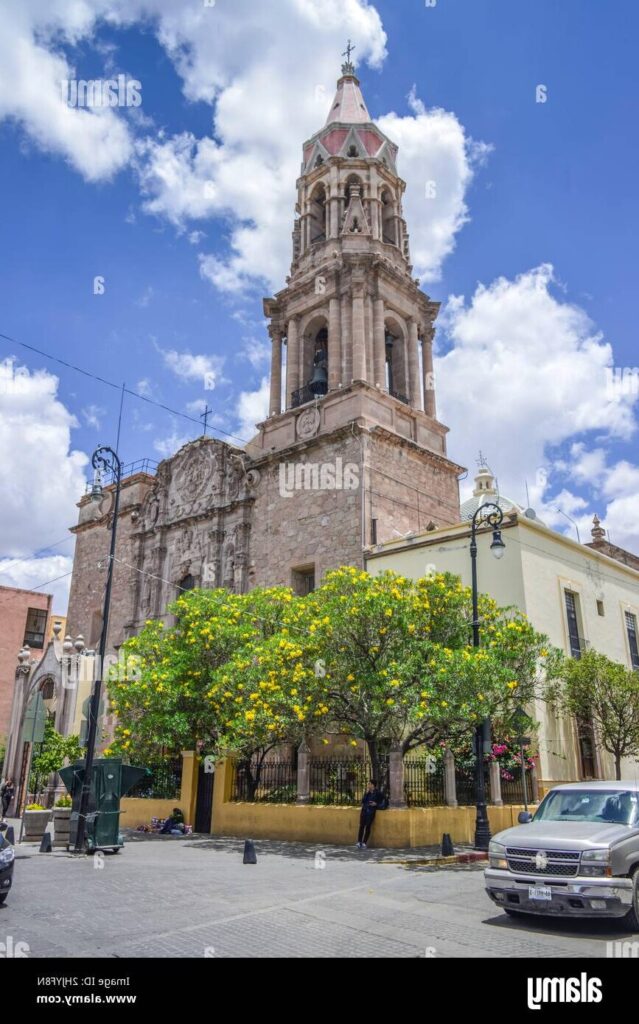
(135, 811)
(139, 811)
(393, 829)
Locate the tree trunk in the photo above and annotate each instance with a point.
(373, 753)
(618, 767)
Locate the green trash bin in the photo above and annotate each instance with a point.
(111, 780)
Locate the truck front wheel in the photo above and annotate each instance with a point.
(631, 920)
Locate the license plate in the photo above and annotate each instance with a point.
(539, 892)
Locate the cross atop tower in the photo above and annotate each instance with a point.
(348, 68)
(205, 416)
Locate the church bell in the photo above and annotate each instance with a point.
(318, 384)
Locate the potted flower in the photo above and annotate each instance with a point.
(62, 821)
(35, 819)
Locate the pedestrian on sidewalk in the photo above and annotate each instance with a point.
(6, 795)
(371, 800)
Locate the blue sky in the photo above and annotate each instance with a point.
(185, 206)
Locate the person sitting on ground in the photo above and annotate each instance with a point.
(174, 824)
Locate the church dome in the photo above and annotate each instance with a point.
(486, 491)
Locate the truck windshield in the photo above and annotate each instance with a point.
(616, 806)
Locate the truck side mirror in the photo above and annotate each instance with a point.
(525, 817)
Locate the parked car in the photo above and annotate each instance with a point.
(7, 859)
(577, 857)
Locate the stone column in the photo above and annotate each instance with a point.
(303, 773)
(396, 778)
(334, 206)
(369, 334)
(495, 784)
(334, 344)
(347, 344)
(275, 406)
(429, 375)
(450, 783)
(414, 385)
(359, 339)
(379, 344)
(292, 362)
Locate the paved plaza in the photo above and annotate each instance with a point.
(195, 898)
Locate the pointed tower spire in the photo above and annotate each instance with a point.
(348, 106)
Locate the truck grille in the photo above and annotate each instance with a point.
(559, 862)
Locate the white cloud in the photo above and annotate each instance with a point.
(41, 478)
(268, 73)
(92, 415)
(437, 160)
(31, 573)
(145, 387)
(252, 408)
(526, 375)
(97, 141)
(257, 351)
(187, 367)
(169, 445)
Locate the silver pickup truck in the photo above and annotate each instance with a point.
(577, 857)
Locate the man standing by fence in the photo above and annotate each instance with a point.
(371, 800)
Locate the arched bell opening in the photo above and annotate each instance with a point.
(396, 364)
(318, 213)
(313, 362)
(389, 218)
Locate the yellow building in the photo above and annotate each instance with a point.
(578, 595)
(55, 620)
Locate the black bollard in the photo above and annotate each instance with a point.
(448, 849)
(250, 856)
(10, 835)
(45, 845)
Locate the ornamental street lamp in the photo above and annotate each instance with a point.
(104, 460)
(488, 514)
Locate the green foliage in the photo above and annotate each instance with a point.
(380, 658)
(63, 801)
(597, 689)
(52, 754)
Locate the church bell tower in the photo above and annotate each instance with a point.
(352, 346)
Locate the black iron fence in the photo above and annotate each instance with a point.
(423, 783)
(272, 781)
(163, 782)
(343, 781)
(512, 790)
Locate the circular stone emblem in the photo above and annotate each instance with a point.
(308, 423)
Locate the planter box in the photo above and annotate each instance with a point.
(61, 825)
(35, 825)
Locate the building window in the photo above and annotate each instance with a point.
(600, 608)
(631, 628)
(36, 625)
(574, 633)
(304, 580)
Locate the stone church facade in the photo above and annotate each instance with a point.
(352, 452)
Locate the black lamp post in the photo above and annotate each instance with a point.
(104, 460)
(488, 514)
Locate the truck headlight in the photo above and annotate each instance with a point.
(497, 855)
(6, 857)
(595, 863)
